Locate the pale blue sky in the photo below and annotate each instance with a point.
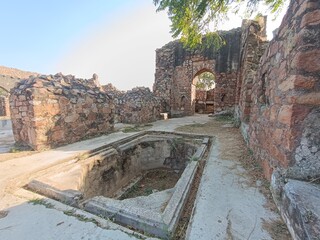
(115, 39)
(35, 31)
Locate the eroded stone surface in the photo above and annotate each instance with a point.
(48, 111)
(177, 67)
(299, 205)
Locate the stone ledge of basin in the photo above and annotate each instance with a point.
(70, 197)
(205, 141)
(103, 223)
(112, 144)
(161, 225)
(97, 151)
(107, 153)
(174, 208)
(144, 138)
(299, 205)
(200, 152)
(138, 218)
(183, 134)
(154, 202)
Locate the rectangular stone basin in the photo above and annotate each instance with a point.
(96, 181)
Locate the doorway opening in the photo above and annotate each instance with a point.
(202, 93)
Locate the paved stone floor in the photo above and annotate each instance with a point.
(226, 206)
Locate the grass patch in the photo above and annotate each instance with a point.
(19, 148)
(131, 129)
(80, 217)
(225, 118)
(136, 128)
(39, 201)
(196, 125)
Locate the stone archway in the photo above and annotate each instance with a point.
(7, 82)
(3, 91)
(176, 68)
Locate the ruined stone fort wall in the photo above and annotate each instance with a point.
(177, 67)
(139, 106)
(136, 106)
(48, 111)
(284, 119)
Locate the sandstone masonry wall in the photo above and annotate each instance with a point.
(117, 96)
(284, 120)
(139, 106)
(177, 67)
(49, 111)
(253, 45)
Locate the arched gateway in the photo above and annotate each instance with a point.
(177, 67)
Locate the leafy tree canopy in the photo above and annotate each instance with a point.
(206, 81)
(190, 19)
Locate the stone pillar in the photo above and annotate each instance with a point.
(4, 106)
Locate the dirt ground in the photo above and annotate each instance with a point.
(155, 180)
(233, 147)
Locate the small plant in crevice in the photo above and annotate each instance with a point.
(19, 148)
(136, 128)
(225, 118)
(39, 201)
(193, 158)
(148, 191)
(80, 217)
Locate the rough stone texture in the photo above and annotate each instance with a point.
(4, 106)
(299, 206)
(253, 43)
(177, 69)
(48, 111)
(138, 106)
(9, 77)
(204, 101)
(284, 119)
(7, 82)
(117, 96)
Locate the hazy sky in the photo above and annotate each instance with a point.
(115, 39)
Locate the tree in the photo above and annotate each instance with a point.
(190, 19)
(206, 81)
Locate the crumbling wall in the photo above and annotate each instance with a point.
(48, 111)
(253, 45)
(284, 119)
(176, 68)
(4, 106)
(138, 106)
(117, 96)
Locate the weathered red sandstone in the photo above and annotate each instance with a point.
(52, 110)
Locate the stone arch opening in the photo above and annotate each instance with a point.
(202, 93)
(4, 92)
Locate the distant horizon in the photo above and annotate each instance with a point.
(117, 41)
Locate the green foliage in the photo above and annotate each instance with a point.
(40, 201)
(225, 118)
(206, 81)
(190, 19)
(80, 217)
